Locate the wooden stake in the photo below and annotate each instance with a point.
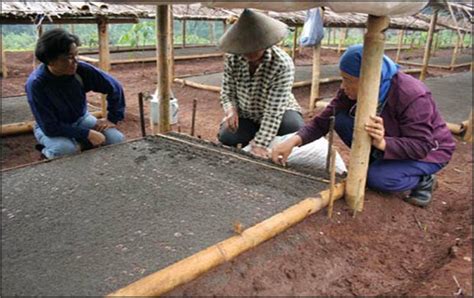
(332, 181)
(193, 118)
(400, 43)
(429, 43)
(104, 56)
(192, 267)
(367, 99)
(332, 121)
(163, 66)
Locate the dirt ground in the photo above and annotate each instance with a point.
(391, 248)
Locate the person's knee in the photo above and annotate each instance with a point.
(113, 136)
(375, 180)
(62, 148)
(227, 138)
(386, 181)
(292, 121)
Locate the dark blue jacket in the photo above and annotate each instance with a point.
(59, 101)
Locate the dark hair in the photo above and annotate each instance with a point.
(53, 43)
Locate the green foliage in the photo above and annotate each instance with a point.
(18, 41)
(139, 34)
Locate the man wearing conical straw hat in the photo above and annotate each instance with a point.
(256, 89)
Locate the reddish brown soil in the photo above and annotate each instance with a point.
(381, 251)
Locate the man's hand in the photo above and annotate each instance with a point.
(103, 124)
(281, 151)
(96, 138)
(376, 130)
(259, 151)
(231, 119)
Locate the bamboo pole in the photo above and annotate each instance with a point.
(412, 39)
(197, 85)
(183, 33)
(400, 42)
(211, 32)
(104, 56)
(295, 42)
(193, 117)
(4, 59)
(342, 38)
(332, 180)
(163, 66)
(367, 96)
(171, 44)
(315, 81)
(192, 267)
(429, 43)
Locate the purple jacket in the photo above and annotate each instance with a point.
(414, 128)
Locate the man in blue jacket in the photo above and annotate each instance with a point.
(56, 93)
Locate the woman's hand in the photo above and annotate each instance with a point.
(259, 151)
(281, 151)
(96, 138)
(231, 119)
(376, 130)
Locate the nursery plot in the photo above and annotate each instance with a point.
(92, 223)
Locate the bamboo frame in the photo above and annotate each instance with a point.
(193, 266)
(342, 38)
(26, 126)
(435, 65)
(183, 33)
(163, 66)
(369, 82)
(295, 41)
(104, 56)
(429, 43)
(212, 36)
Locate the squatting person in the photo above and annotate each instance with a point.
(410, 139)
(56, 92)
(256, 89)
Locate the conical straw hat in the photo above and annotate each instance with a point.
(252, 32)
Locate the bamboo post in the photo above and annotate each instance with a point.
(163, 66)
(400, 43)
(330, 138)
(329, 36)
(342, 38)
(412, 40)
(455, 53)
(183, 32)
(315, 80)
(367, 99)
(295, 42)
(4, 60)
(104, 56)
(211, 32)
(429, 42)
(171, 44)
(193, 266)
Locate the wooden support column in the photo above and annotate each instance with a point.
(369, 83)
(412, 39)
(171, 43)
(183, 32)
(4, 60)
(104, 56)
(468, 136)
(295, 42)
(400, 44)
(455, 52)
(316, 73)
(429, 43)
(163, 67)
(211, 32)
(342, 38)
(329, 36)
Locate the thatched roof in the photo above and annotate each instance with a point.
(16, 12)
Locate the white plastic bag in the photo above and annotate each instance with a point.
(311, 155)
(313, 29)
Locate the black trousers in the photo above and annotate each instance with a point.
(291, 122)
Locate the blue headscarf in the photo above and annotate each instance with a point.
(350, 63)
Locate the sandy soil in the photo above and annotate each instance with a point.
(383, 251)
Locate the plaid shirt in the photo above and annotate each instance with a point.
(263, 97)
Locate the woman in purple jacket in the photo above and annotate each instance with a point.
(410, 139)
